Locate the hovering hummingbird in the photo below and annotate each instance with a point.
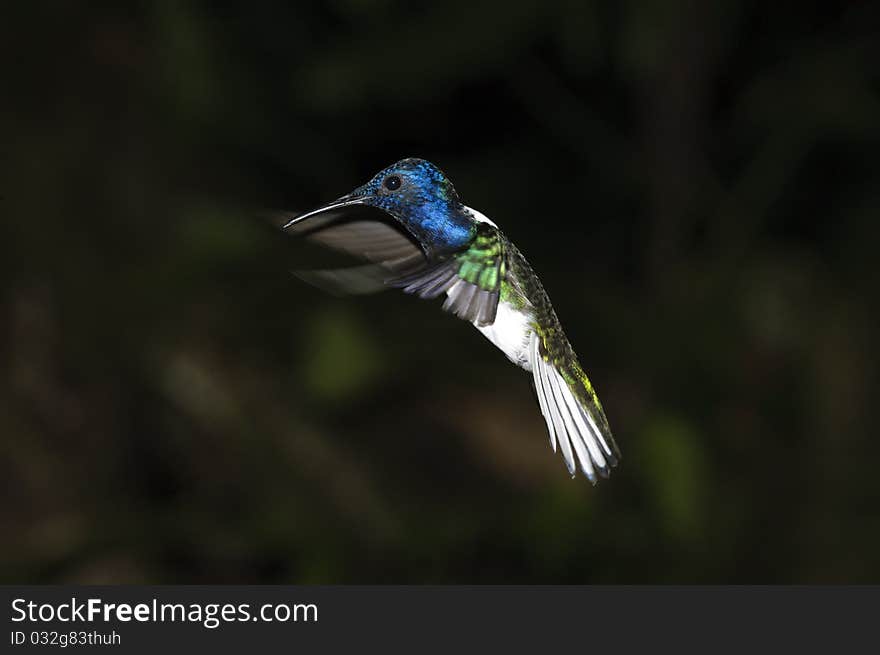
(428, 243)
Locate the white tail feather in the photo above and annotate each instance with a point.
(568, 422)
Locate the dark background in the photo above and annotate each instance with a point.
(698, 185)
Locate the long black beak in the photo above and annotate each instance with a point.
(344, 201)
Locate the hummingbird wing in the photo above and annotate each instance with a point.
(346, 281)
(378, 241)
(386, 247)
(470, 277)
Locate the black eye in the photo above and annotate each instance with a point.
(392, 182)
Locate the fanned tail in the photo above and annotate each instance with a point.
(570, 420)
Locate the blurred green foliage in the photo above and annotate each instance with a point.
(696, 184)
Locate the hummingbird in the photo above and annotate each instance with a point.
(424, 240)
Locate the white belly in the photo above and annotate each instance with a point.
(511, 332)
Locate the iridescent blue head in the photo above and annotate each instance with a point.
(420, 197)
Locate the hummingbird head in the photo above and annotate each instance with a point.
(419, 196)
(409, 187)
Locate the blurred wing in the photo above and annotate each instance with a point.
(386, 245)
(347, 281)
(471, 278)
(375, 241)
(572, 422)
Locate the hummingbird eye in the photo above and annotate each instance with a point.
(392, 182)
